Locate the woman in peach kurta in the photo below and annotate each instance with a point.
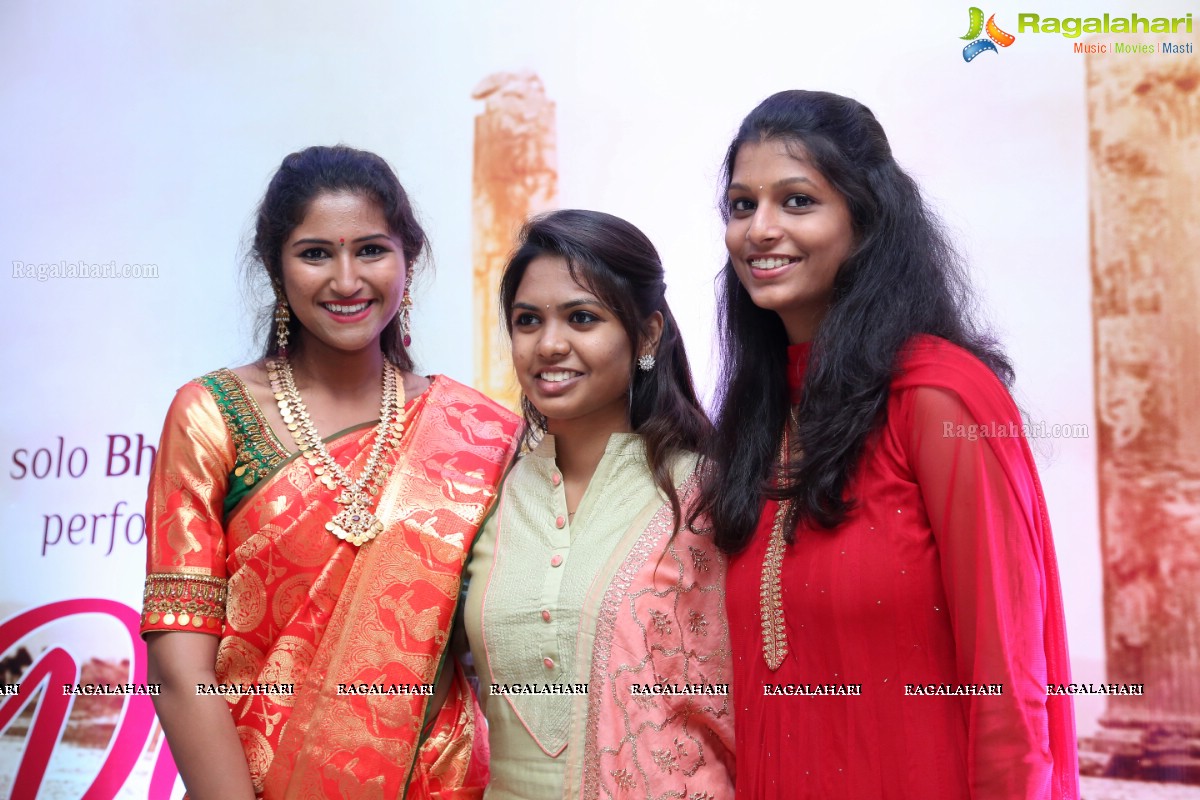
(295, 662)
(588, 576)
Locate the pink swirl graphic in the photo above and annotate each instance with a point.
(56, 667)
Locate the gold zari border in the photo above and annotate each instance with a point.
(184, 602)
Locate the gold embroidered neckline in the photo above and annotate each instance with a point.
(774, 627)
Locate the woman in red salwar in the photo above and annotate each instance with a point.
(894, 604)
(308, 518)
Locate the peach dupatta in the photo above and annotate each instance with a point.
(659, 621)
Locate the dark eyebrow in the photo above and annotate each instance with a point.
(580, 302)
(359, 240)
(561, 306)
(741, 187)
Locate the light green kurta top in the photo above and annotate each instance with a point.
(529, 574)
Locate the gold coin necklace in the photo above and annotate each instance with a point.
(355, 523)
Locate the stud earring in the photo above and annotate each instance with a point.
(645, 362)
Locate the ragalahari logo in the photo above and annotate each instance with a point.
(995, 36)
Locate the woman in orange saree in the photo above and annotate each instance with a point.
(322, 582)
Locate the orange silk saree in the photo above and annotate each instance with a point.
(329, 652)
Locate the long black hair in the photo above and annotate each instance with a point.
(318, 170)
(617, 263)
(902, 278)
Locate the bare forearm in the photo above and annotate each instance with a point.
(199, 728)
(204, 743)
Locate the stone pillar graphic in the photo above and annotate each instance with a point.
(515, 175)
(1144, 141)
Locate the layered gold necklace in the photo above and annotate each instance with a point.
(355, 523)
(770, 596)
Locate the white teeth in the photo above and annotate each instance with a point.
(557, 377)
(770, 263)
(354, 309)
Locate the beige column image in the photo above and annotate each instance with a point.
(515, 176)
(1144, 141)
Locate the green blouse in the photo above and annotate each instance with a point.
(258, 450)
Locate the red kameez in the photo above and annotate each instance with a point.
(943, 576)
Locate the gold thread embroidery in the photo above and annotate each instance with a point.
(639, 766)
(257, 450)
(664, 759)
(246, 604)
(623, 778)
(774, 628)
(775, 647)
(661, 622)
(195, 601)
